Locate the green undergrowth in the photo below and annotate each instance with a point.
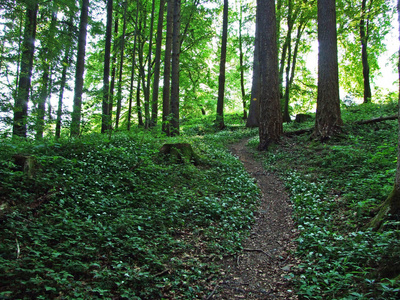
(108, 218)
(336, 188)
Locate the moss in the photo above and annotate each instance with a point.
(180, 153)
(391, 207)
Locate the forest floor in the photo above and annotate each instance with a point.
(262, 269)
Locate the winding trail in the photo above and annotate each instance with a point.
(258, 272)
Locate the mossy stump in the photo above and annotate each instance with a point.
(26, 163)
(180, 153)
(301, 118)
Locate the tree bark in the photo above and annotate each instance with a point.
(80, 67)
(328, 120)
(364, 52)
(167, 69)
(241, 64)
(221, 80)
(270, 129)
(149, 67)
(286, 116)
(28, 49)
(106, 114)
(121, 67)
(157, 65)
(142, 75)
(138, 105)
(61, 96)
(133, 68)
(254, 109)
(174, 130)
(113, 72)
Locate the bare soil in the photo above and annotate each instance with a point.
(260, 270)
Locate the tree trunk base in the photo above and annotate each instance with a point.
(390, 208)
(26, 163)
(180, 153)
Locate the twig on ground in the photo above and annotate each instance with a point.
(162, 273)
(257, 250)
(213, 292)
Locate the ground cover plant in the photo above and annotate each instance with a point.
(107, 217)
(336, 188)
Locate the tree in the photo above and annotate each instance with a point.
(66, 61)
(364, 53)
(328, 120)
(106, 115)
(157, 64)
(254, 109)
(362, 31)
(391, 205)
(121, 65)
(133, 68)
(270, 128)
(47, 57)
(241, 63)
(221, 79)
(167, 68)
(176, 47)
(146, 87)
(80, 67)
(28, 48)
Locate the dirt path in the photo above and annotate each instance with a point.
(258, 271)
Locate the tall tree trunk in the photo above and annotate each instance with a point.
(48, 55)
(300, 31)
(113, 73)
(141, 73)
(65, 64)
(167, 69)
(176, 47)
(254, 109)
(80, 67)
(133, 68)
(290, 23)
(121, 66)
(149, 65)
(364, 52)
(157, 65)
(61, 96)
(328, 120)
(28, 48)
(106, 116)
(138, 105)
(221, 80)
(241, 63)
(282, 64)
(20, 40)
(270, 129)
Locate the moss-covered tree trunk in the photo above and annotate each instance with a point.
(391, 206)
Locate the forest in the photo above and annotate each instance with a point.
(118, 121)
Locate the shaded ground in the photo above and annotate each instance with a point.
(259, 271)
